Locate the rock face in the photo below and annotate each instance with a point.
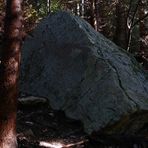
(84, 74)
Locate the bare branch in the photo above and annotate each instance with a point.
(138, 21)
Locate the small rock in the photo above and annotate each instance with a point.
(29, 133)
(31, 100)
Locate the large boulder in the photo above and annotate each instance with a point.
(85, 75)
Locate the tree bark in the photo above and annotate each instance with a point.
(97, 18)
(130, 23)
(9, 73)
(92, 14)
(142, 26)
(89, 12)
(120, 37)
(48, 6)
(143, 32)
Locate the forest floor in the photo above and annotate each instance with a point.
(40, 126)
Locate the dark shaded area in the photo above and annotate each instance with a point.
(40, 123)
(37, 124)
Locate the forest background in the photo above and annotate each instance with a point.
(125, 22)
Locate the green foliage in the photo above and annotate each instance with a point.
(31, 16)
(30, 13)
(55, 5)
(42, 8)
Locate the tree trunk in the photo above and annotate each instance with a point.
(143, 33)
(82, 8)
(48, 6)
(142, 26)
(97, 18)
(89, 12)
(120, 37)
(92, 14)
(9, 73)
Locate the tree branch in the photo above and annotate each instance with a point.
(145, 16)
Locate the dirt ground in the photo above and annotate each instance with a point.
(41, 127)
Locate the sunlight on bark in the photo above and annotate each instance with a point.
(10, 140)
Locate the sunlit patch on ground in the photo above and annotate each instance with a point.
(59, 144)
(51, 145)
